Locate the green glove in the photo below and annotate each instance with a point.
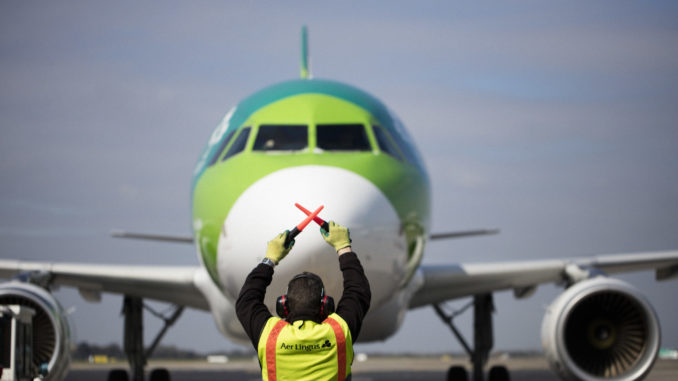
(338, 236)
(276, 249)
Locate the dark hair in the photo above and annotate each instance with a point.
(304, 292)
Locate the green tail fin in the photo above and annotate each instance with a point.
(305, 72)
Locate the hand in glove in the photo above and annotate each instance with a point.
(276, 249)
(338, 236)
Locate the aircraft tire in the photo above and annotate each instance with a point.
(457, 373)
(118, 375)
(499, 373)
(160, 374)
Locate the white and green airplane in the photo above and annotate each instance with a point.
(320, 142)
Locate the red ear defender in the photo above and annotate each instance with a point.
(281, 306)
(326, 306)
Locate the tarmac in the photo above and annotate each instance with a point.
(373, 369)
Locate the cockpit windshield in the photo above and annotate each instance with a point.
(385, 143)
(342, 137)
(281, 138)
(238, 144)
(222, 145)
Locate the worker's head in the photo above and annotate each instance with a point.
(305, 296)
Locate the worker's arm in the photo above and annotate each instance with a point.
(355, 300)
(250, 307)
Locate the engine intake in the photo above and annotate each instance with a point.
(601, 329)
(51, 336)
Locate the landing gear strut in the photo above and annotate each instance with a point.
(133, 310)
(483, 340)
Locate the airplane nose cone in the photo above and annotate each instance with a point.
(267, 208)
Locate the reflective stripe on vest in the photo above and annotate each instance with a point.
(270, 348)
(341, 347)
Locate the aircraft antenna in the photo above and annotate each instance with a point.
(305, 69)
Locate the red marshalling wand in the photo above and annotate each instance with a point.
(297, 229)
(323, 224)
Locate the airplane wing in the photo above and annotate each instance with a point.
(153, 237)
(189, 239)
(450, 281)
(463, 234)
(172, 284)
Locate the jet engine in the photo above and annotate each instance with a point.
(601, 329)
(51, 335)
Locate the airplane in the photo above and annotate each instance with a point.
(321, 142)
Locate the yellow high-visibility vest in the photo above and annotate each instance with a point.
(305, 350)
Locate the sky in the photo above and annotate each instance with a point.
(556, 122)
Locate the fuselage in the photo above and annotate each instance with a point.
(313, 142)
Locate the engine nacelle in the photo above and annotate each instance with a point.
(601, 329)
(51, 334)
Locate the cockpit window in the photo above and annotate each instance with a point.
(223, 145)
(385, 143)
(238, 144)
(342, 137)
(281, 138)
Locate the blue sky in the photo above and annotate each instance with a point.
(555, 122)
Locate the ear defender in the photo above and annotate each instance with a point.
(281, 306)
(326, 306)
(326, 302)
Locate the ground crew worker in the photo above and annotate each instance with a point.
(311, 342)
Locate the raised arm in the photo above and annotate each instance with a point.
(355, 300)
(250, 308)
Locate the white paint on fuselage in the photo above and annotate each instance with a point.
(222, 309)
(267, 208)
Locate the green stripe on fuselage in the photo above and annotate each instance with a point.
(217, 187)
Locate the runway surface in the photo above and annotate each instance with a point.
(374, 369)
